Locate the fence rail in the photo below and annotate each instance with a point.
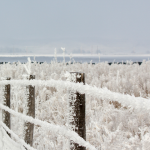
(138, 103)
(53, 128)
(22, 142)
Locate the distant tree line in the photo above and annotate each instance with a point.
(12, 50)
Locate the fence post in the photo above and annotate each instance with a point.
(6, 115)
(29, 127)
(77, 108)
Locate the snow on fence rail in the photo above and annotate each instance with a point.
(53, 128)
(138, 103)
(20, 141)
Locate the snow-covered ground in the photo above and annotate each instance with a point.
(112, 121)
(6, 143)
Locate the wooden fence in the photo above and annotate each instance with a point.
(77, 105)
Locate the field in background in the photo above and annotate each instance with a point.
(75, 58)
(109, 125)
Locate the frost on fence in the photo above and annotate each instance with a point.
(6, 143)
(71, 107)
(76, 108)
(29, 128)
(5, 99)
(138, 103)
(55, 129)
(7, 103)
(2, 87)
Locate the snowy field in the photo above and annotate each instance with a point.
(117, 106)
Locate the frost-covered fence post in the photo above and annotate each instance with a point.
(6, 115)
(77, 106)
(29, 128)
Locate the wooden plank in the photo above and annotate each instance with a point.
(6, 115)
(77, 112)
(29, 127)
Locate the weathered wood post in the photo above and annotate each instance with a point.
(29, 127)
(77, 108)
(6, 115)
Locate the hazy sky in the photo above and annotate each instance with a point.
(111, 25)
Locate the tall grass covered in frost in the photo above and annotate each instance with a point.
(109, 125)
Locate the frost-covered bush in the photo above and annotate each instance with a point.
(108, 124)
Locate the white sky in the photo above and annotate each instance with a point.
(112, 25)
